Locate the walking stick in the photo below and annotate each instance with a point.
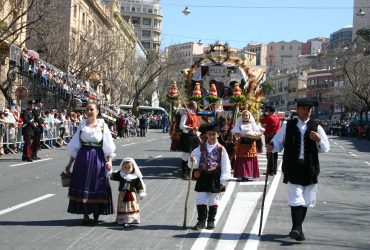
(187, 195)
(264, 191)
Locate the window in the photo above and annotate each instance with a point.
(146, 45)
(83, 18)
(282, 47)
(147, 21)
(146, 33)
(75, 11)
(133, 9)
(136, 20)
(150, 11)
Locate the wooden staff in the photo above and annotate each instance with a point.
(187, 195)
(264, 191)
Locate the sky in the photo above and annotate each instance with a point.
(239, 22)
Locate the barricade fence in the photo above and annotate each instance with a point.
(53, 135)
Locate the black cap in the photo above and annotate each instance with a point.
(306, 102)
(204, 128)
(31, 102)
(37, 101)
(270, 108)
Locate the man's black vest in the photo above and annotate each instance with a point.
(295, 173)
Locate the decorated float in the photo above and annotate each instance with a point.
(222, 85)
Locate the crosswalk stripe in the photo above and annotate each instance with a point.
(241, 210)
(253, 239)
(252, 183)
(204, 235)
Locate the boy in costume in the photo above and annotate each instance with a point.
(212, 169)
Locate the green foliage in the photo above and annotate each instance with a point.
(212, 99)
(196, 98)
(237, 99)
(364, 34)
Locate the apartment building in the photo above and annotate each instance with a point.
(341, 37)
(261, 52)
(146, 17)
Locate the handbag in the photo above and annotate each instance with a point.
(66, 179)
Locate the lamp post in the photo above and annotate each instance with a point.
(186, 11)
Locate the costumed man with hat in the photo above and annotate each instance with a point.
(212, 169)
(38, 130)
(27, 131)
(271, 123)
(189, 139)
(302, 138)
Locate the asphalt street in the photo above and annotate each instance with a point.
(33, 204)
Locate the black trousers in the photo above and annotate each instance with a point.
(36, 142)
(27, 147)
(142, 132)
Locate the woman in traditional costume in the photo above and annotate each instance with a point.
(131, 188)
(246, 165)
(91, 150)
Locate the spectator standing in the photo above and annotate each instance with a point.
(142, 125)
(164, 122)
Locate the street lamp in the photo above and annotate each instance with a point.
(186, 11)
(360, 13)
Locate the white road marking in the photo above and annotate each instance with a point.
(367, 163)
(150, 140)
(352, 154)
(341, 147)
(241, 211)
(252, 183)
(125, 145)
(204, 235)
(25, 163)
(335, 143)
(159, 156)
(254, 239)
(25, 204)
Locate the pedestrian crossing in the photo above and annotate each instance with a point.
(246, 199)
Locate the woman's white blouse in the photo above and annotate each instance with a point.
(245, 128)
(95, 135)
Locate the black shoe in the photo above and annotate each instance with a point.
(36, 158)
(24, 158)
(29, 160)
(199, 226)
(296, 235)
(210, 225)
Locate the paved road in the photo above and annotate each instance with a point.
(33, 205)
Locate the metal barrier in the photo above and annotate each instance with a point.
(11, 139)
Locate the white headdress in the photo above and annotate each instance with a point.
(137, 171)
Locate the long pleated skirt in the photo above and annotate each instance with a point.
(90, 191)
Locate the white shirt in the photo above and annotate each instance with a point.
(279, 139)
(94, 134)
(225, 162)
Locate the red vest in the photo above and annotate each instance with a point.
(192, 121)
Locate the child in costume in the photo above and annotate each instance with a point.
(131, 188)
(212, 168)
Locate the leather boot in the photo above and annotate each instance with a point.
(202, 217)
(211, 217)
(297, 216)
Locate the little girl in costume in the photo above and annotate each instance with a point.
(131, 187)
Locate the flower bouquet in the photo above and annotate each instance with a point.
(66, 179)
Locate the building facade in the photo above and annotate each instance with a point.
(261, 52)
(146, 17)
(341, 37)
